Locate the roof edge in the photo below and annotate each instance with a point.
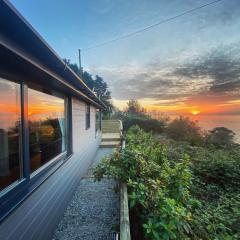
(49, 48)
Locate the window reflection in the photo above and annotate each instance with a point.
(46, 127)
(98, 120)
(9, 132)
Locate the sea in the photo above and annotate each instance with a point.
(208, 122)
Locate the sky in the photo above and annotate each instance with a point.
(190, 65)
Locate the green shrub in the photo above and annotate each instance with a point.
(184, 129)
(216, 184)
(178, 191)
(219, 167)
(157, 190)
(220, 137)
(146, 123)
(219, 219)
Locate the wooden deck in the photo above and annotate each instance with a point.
(40, 213)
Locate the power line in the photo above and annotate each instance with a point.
(151, 26)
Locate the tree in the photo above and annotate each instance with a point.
(87, 78)
(101, 88)
(73, 66)
(220, 137)
(134, 107)
(98, 85)
(183, 129)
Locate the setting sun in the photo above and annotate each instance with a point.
(195, 112)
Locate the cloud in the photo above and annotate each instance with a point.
(220, 65)
(212, 78)
(229, 11)
(221, 14)
(154, 85)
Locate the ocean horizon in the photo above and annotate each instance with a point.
(208, 122)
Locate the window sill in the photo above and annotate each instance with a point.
(48, 165)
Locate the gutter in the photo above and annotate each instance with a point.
(50, 73)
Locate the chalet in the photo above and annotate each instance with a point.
(50, 129)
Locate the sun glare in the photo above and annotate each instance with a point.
(195, 112)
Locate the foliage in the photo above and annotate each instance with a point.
(87, 78)
(216, 184)
(98, 85)
(218, 220)
(220, 137)
(73, 66)
(134, 107)
(145, 122)
(134, 114)
(101, 88)
(184, 129)
(178, 191)
(220, 167)
(158, 190)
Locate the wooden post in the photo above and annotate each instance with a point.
(80, 63)
(124, 214)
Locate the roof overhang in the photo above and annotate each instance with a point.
(21, 46)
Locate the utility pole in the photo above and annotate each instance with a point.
(80, 65)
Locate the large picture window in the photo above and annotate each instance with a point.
(47, 134)
(10, 170)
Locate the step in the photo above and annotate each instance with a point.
(111, 121)
(111, 135)
(111, 139)
(109, 131)
(110, 144)
(110, 127)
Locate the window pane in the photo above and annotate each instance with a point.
(46, 127)
(98, 120)
(9, 132)
(87, 115)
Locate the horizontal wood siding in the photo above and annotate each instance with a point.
(37, 217)
(81, 135)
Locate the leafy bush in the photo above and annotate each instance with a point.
(219, 219)
(220, 137)
(178, 191)
(184, 129)
(219, 167)
(146, 123)
(158, 191)
(216, 184)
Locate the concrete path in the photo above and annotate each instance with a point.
(93, 213)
